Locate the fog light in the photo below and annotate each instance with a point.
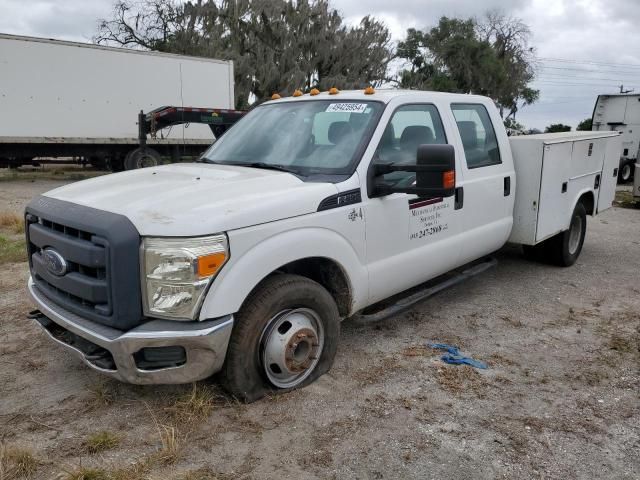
(153, 358)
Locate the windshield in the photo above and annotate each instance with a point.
(319, 136)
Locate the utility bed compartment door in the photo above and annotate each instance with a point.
(610, 166)
(554, 199)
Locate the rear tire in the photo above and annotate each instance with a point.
(626, 171)
(285, 337)
(142, 157)
(564, 248)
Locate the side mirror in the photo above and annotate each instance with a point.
(435, 170)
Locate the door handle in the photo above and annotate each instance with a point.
(507, 186)
(459, 198)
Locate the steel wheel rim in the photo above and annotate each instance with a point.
(290, 346)
(626, 172)
(574, 234)
(146, 161)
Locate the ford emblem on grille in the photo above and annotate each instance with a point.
(56, 264)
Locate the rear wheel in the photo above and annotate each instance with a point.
(625, 173)
(564, 249)
(142, 157)
(285, 337)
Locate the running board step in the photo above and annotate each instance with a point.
(405, 303)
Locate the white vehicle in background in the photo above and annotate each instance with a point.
(310, 210)
(68, 99)
(621, 113)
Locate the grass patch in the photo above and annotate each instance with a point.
(135, 471)
(101, 441)
(12, 251)
(101, 395)
(624, 199)
(171, 445)
(194, 405)
(71, 174)
(84, 473)
(12, 222)
(16, 463)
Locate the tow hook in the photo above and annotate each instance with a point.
(35, 314)
(39, 317)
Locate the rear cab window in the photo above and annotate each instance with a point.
(477, 134)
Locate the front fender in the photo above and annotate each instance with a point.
(241, 275)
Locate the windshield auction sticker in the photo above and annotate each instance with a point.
(346, 108)
(426, 218)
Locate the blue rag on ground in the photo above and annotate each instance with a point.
(454, 357)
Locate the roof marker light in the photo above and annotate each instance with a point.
(333, 91)
(275, 96)
(369, 90)
(297, 93)
(314, 91)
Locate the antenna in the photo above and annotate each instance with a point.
(623, 91)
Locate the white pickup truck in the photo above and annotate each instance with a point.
(310, 210)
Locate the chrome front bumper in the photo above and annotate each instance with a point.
(205, 343)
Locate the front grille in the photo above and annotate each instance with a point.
(85, 284)
(99, 251)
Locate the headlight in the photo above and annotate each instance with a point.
(176, 272)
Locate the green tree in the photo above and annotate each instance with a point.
(276, 45)
(511, 123)
(584, 124)
(490, 58)
(557, 127)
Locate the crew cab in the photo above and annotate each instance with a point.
(310, 210)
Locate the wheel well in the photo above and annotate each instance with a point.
(327, 273)
(588, 200)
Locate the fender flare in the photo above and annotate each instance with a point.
(579, 195)
(241, 275)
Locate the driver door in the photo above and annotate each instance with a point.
(408, 239)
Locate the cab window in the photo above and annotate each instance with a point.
(409, 127)
(477, 135)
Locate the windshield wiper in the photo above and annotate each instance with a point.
(269, 166)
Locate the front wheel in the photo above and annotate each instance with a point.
(285, 337)
(564, 249)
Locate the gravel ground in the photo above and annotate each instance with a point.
(560, 399)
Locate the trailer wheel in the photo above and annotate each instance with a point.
(625, 173)
(285, 337)
(564, 249)
(141, 157)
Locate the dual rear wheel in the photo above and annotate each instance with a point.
(564, 248)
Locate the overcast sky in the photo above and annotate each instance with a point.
(584, 47)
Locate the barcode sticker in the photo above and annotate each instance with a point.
(346, 108)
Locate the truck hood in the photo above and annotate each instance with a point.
(197, 198)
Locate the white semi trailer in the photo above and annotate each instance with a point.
(621, 113)
(66, 99)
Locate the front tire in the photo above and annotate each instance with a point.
(564, 249)
(285, 337)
